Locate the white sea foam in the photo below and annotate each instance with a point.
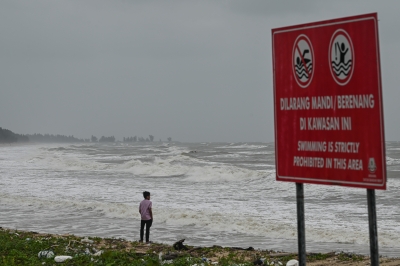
(392, 161)
(175, 165)
(241, 146)
(206, 195)
(214, 221)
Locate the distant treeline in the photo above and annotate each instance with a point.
(7, 136)
(103, 139)
(125, 139)
(140, 139)
(53, 138)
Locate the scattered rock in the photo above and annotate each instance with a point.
(62, 258)
(292, 263)
(46, 254)
(98, 253)
(86, 240)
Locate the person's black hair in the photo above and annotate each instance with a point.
(145, 194)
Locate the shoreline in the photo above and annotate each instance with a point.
(214, 255)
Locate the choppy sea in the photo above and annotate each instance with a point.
(208, 193)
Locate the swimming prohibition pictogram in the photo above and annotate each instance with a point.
(341, 57)
(303, 60)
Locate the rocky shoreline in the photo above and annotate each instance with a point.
(31, 248)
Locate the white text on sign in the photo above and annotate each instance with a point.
(323, 146)
(335, 163)
(361, 101)
(325, 123)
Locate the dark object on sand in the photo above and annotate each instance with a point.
(170, 256)
(249, 248)
(258, 262)
(179, 245)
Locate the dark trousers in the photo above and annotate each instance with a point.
(148, 225)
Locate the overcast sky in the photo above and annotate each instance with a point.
(190, 70)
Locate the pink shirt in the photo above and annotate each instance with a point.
(144, 208)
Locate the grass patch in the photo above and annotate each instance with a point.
(22, 248)
(349, 257)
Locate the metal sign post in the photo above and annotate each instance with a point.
(373, 229)
(301, 231)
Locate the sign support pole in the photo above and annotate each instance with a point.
(301, 232)
(373, 230)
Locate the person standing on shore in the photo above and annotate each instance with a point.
(146, 213)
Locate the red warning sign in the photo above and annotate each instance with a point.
(328, 103)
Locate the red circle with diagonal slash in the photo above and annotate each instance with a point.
(303, 61)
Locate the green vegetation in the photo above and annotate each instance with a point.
(350, 257)
(7, 136)
(318, 256)
(140, 139)
(22, 248)
(107, 139)
(52, 138)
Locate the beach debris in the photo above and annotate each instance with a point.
(292, 263)
(179, 245)
(86, 240)
(248, 249)
(258, 262)
(170, 256)
(98, 253)
(46, 254)
(87, 252)
(62, 258)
